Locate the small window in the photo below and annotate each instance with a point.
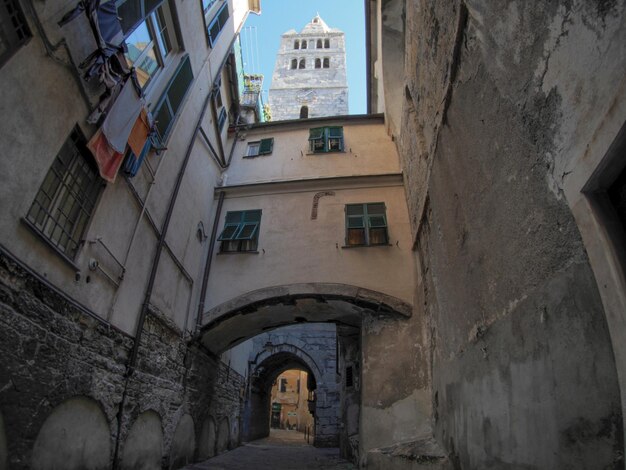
(326, 43)
(326, 139)
(303, 44)
(241, 231)
(302, 64)
(319, 43)
(262, 147)
(318, 63)
(366, 224)
(326, 62)
(283, 385)
(221, 120)
(304, 112)
(67, 197)
(14, 30)
(207, 4)
(294, 64)
(349, 377)
(217, 24)
(296, 44)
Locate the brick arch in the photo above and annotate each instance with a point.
(249, 314)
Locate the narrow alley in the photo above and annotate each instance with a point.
(282, 450)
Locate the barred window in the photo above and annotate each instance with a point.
(14, 30)
(67, 197)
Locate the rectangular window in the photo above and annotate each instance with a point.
(349, 377)
(217, 24)
(148, 44)
(221, 119)
(241, 231)
(133, 12)
(67, 197)
(283, 385)
(207, 4)
(14, 30)
(366, 224)
(170, 102)
(326, 139)
(262, 147)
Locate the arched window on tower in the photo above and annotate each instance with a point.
(302, 64)
(318, 63)
(319, 43)
(304, 112)
(294, 64)
(326, 62)
(296, 44)
(326, 43)
(303, 44)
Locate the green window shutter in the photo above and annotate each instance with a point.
(316, 133)
(266, 146)
(355, 216)
(335, 132)
(248, 231)
(376, 215)
(170, 102)
(229, 232)
(251, 216)
(335, 138)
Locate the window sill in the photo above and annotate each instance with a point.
(237, 253)
(255, 156)
(51, 245)
(365, 246)
(326, 153)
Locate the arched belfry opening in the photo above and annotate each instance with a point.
(304, 112)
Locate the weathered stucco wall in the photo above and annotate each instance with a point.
(283, 258)
(500, 99)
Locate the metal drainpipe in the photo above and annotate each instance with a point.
(209, 259)
(159, 250)
(52, 48)
(155, 264)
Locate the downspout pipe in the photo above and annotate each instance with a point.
(155, 264)
(209, 259)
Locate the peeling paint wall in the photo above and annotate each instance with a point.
(500, 101)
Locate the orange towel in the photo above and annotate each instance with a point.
(139, 134)
(108, 160)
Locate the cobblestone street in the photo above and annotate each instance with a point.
(283, 450)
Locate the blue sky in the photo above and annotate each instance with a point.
(279, 16)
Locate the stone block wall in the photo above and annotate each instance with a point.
(54, 351)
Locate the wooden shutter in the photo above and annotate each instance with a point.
(266, 146)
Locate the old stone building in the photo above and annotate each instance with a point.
(466, 238)
(309, 77)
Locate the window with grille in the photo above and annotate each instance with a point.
(67, 197)
(261, 147)
(14, 30)
(349, 377)
(366, 224)
(326, 139)
(241, 231)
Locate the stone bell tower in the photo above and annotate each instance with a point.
(309, 77)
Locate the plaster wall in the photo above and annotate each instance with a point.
(318, 254)
(144, 445)
(507, 110)
(43, 112)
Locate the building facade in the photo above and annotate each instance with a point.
(309, 77)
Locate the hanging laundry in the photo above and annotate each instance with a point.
(122, 116)
(108, 160)
(140, 132)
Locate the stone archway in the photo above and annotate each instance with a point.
(75, 436)
(252, 313)
(143, 447)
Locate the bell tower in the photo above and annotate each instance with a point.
(309, 77)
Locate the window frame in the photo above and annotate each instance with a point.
(212, 41)
(263, 147)
(232, 236)
(16, 35)
(160, 42)
(325, 138)
(365, 224)
(68, 186)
